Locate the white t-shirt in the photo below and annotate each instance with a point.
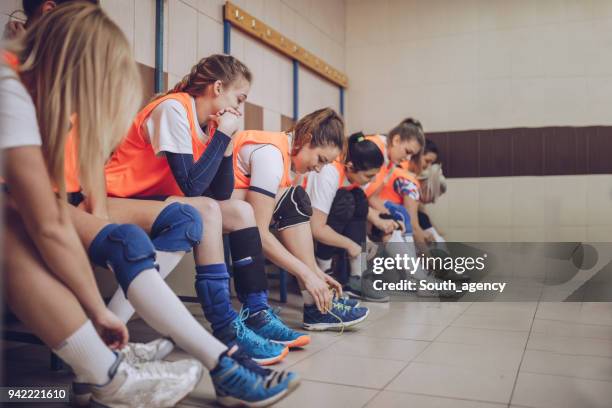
(264, 164)
(18, 122)
(322, 187)
(168, 128)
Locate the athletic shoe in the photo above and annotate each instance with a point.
(154, 384)
(269, 326)
(347, 301)
(339, 317)
(133, 354)
(244, 360)
(361, 288)
(262, 350)
(237, 385)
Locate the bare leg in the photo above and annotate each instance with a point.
(30, 288)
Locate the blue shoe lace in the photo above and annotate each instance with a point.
(244, 333)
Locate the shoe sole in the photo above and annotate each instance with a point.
(299, 342)
(272, 360)
(333, 326)
(235, 402)
(354, 295)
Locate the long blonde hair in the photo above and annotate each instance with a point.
(76, 63)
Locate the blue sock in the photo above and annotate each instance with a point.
(255, 302)
(212, 287)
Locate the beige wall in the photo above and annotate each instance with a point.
(194, 29)
(465, 64)
(481, 64)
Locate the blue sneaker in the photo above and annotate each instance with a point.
(237, 384)
(261, 350)
(340, 317)
(269, 326)
(348, 301)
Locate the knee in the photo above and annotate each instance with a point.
(177, 228)
(208, 208)
(237, 214)
(126, 249)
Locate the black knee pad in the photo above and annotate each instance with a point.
(361, 204)
(292, 209)
(342, 208)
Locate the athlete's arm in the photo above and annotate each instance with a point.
(222, 185)
(194, 178)
(48, 224)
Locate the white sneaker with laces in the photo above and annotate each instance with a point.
(156, 384)
(133, 354)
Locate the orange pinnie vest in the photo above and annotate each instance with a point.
(376, 184)
(382, 185)
(71, 175)
(389, 193)
(135, 170)
(278, 139)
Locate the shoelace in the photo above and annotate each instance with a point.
(242, 331)
(244, 360)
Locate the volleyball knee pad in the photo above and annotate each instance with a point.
(399, 213)
(125, 249)
(361, 204)
(342, 208)
(212, 288)
(292, 209)
(248, 261)
(177, 228)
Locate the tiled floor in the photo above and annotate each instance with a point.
(430, 354)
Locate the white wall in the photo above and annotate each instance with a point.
(465, 64)
(482, 64)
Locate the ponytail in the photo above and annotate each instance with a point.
(323, 127)
(217, 67)
(363, 153)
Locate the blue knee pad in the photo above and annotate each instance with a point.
(212, 288)
(177, 228)
(126, 249)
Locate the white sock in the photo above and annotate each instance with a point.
(439, 238)
(157, 304)
(308, 299)
(324, 264)
(358, 264)
(87, 354)
(120, 306)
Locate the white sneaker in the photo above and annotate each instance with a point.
(156, 384)
(133, 354)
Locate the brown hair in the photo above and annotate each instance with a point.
(217, 67)
(407, 130)
(323, 127)
(86, 70)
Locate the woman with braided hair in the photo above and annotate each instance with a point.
(179, 149)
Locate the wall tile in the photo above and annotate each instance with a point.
(122, 12)
(210, 36)
(464, 199)
(182, 37)
(495, 201)
(212, 8)
(271, 121)
(599, 200)
(144, 33)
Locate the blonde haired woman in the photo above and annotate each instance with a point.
(86, 76)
